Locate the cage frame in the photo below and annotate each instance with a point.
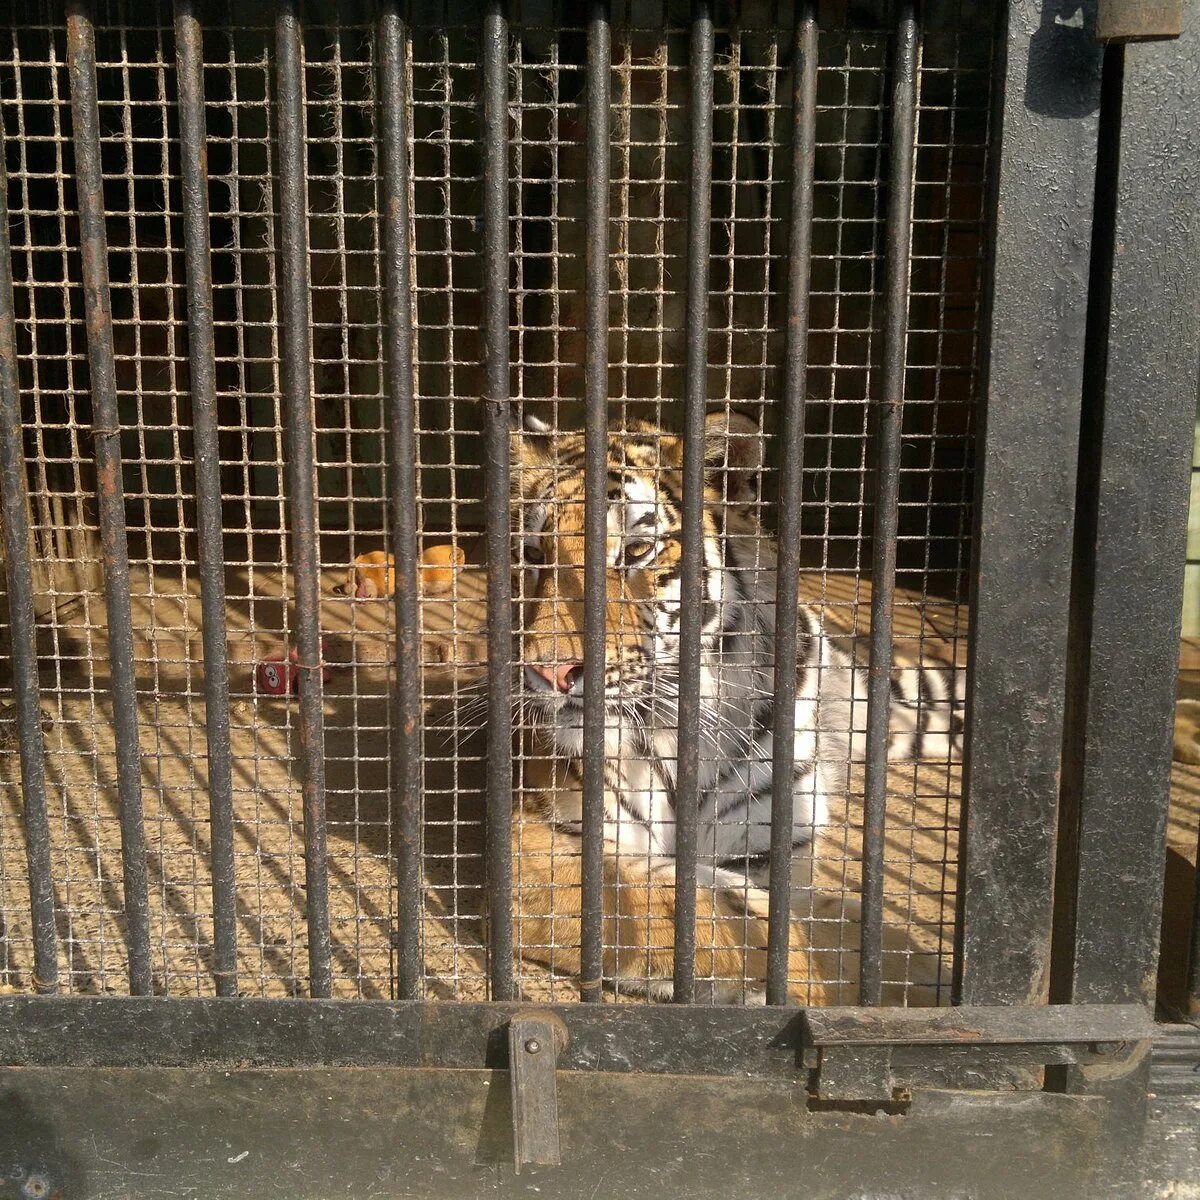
(1086, 382)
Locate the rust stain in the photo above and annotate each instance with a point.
(960, 1035)
(106, 479)
(8, 332)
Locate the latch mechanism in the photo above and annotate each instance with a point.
(878, 1054)
(535, 1040)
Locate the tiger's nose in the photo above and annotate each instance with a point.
(561, 676)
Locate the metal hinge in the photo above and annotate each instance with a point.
(874, 1055)
(535, 1040)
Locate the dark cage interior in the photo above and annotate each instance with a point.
(745, 347)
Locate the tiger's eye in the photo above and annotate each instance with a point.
(638, 551)
(532, 555)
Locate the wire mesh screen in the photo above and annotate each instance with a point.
(648, 270)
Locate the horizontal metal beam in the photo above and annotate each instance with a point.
(189, 1032)
(880, 1055)
(984, 1025)
(681, 1039)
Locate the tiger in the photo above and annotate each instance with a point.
(643, 607)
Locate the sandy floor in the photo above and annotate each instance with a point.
(922, 816)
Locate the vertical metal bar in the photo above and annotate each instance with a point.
(106, 436)
(1192, 998)
(1135, 467)
(406, 699)
(595, 545)
(1028, 447)
(691, 581)
(14, 504)
(1066, 874)
(889, 414)
(189, 59)
(791, 475)
(496, 428)
(295, 355)
(532, 1055)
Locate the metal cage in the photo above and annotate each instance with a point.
(334, 340)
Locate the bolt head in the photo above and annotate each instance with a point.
(533, 1046)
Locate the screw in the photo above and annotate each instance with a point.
(533, 1046)
(36, 1187)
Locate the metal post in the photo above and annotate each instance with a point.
(19, 575)
(406, 719)
(691, 574)
(494, 57)
(106, 437)
(1135, 464)
(295, 364)
(1024, 509)
(595, 551)
(791, 474)
(189, 58)
(888, 419)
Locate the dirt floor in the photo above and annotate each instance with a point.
(80, 763)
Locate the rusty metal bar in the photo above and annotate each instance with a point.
(496, 426)
(110, 493)
(14, 504)
(791, 473)
(189, 60)
(295, 366)
(691, 575)
(595, 552)
(392, 41)
(889, 414)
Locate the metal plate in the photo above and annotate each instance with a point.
(309, 1135)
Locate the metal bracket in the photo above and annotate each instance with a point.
(1139, 20)
(535, 1040)
(862, 1054)
(853, 1073)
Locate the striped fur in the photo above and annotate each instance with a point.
(737, 666)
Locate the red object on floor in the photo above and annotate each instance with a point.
(279, 676)
(275, 676)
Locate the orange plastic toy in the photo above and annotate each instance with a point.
(373, 574)
(438, 565)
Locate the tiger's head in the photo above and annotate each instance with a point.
(642, 577)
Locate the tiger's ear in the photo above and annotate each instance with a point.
(733, 454)
(531, 448)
